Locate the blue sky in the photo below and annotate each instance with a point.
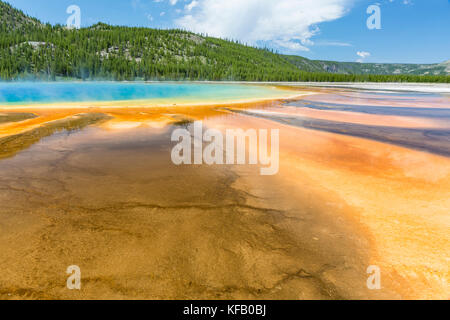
(412, 31)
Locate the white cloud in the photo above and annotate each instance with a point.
(173, 2)
(363, 55)
(289, 24)
(191, 5)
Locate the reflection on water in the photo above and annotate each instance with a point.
(405, 111)
(426, 139)
(107, 198)
(11, 144)
(15, 116)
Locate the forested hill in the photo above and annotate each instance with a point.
(12, 18)
(369, 68)
(32, 50)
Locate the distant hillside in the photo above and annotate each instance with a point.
(12, 18)
(369, 68)
(32, 50)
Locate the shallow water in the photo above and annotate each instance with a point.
(54, 92)
(102, 193)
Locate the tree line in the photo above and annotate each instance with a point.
(49, 52)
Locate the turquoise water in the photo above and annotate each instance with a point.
(50, 92)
